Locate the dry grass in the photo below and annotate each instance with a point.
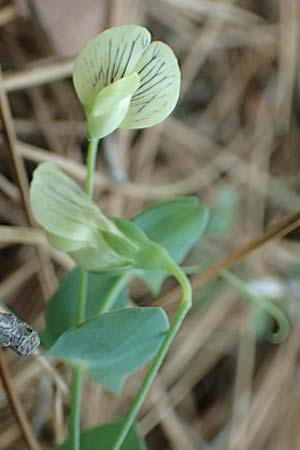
(233, 142)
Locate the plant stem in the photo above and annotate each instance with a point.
(82, 294)
(74, 421)
(144, 389)
(91, 161)
(108, 301)
(263, 303)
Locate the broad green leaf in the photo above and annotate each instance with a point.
(103, 438)
(108, 379)
(106, 58)
(176, 225)
(121, 341)
(61, 310)
(159, 88)
(190, 219)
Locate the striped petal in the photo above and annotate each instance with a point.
(159, 87)
(106, 58)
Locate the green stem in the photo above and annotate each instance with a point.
(112, 295)
(91, 161)
(83, 284)
(144, 389)
(74, 421)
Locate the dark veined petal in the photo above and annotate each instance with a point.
(159, 87)
(106, 58)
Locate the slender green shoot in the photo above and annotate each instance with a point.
(108, 301)
(74, 421)
(184, 307)
(261, 302)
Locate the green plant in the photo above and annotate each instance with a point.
(123, 81)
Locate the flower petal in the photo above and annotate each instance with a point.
(63, 209)
(159, 90)
(111, 95)
(111, 106)
(106, 58)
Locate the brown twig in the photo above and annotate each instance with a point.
(38, 75)
(17, 406)
(46, 274)
(8, 14)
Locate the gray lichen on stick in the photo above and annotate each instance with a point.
(17, 334)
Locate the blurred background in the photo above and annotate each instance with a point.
(233, 141)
